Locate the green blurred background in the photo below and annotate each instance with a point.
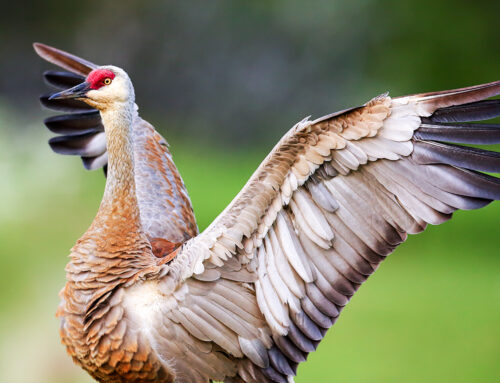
(223, 80)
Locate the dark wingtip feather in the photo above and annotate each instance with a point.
(462, 182)
(274, 375)
(307, 326)
(288, 349)
(464, 177)
(62, 80)
(97, 162)
(475, 111)
(64, 105)
(82, 131)
(87, 144)
(476, 134)
(299, 339)
(490, 186)
(76, 123)
(280, 362)
(428, 152)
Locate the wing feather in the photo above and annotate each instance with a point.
(328, 204)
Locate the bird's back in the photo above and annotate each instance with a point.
(165, 207)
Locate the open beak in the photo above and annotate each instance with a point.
(79, 91)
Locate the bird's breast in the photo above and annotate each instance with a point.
(116, 344)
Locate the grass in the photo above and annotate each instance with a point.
(430, 313)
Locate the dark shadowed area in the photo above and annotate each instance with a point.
(223, 80)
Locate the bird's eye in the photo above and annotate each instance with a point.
(107, 81)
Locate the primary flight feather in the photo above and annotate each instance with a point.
(148, 299)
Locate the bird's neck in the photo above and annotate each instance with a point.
(116, 231)
(116, 239)
(120, 194)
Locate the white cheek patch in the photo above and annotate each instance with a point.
(117, 91)
(93, 94)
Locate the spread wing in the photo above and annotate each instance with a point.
(336, 195)
(166, 210)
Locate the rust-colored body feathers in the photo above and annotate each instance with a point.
(148, 299)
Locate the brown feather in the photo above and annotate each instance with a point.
(64, 59)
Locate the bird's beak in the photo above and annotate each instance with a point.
(79, 91)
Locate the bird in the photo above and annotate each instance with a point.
(150, 299)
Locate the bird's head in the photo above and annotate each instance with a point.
(106, 87)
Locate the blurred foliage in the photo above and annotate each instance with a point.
(223, 80)
(242, 72)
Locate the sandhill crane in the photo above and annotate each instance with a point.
(148, 299)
